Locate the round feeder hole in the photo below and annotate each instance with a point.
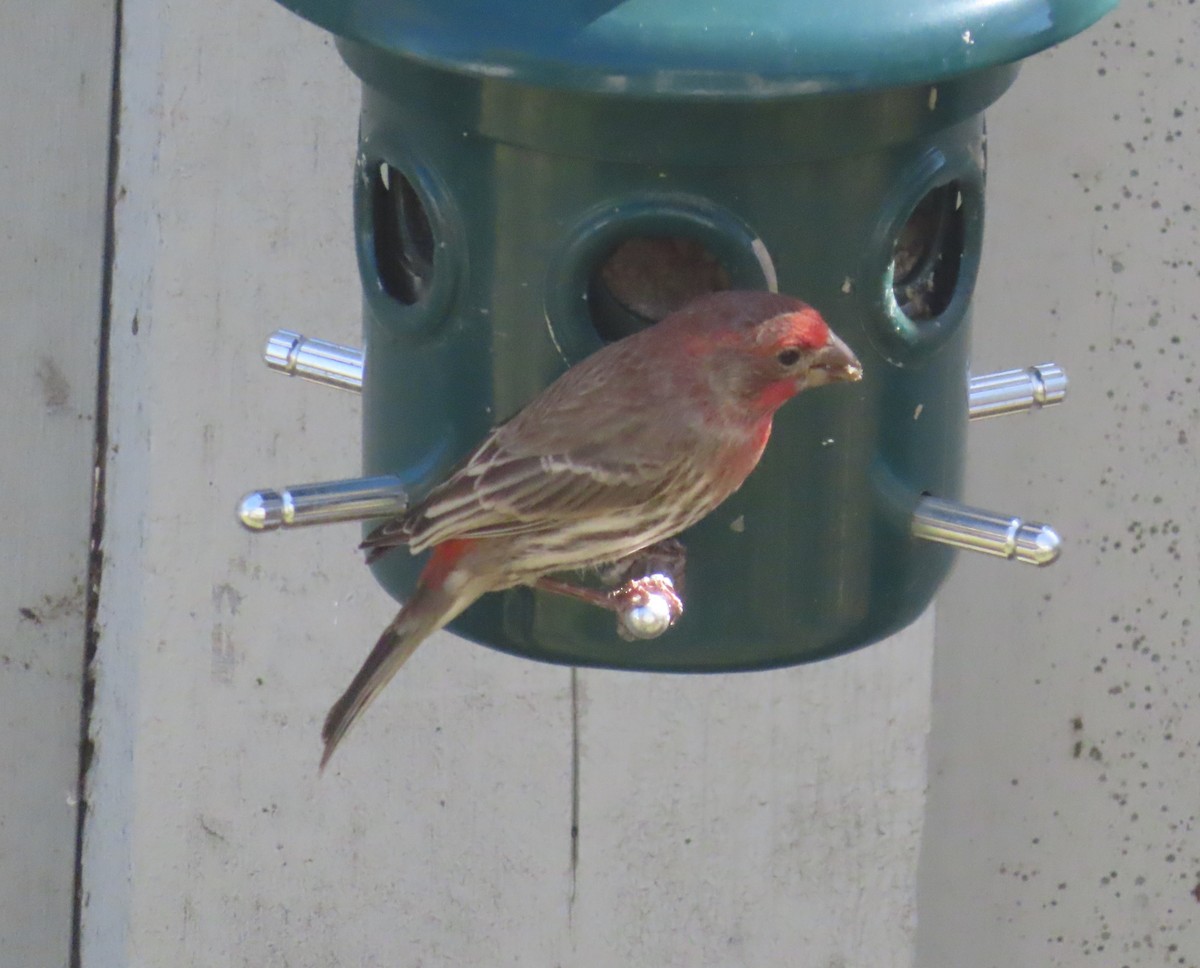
(645, 278)
(402, 234)
(927, 254)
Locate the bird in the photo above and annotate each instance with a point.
(630, 446)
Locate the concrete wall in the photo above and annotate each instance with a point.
(1064, 780)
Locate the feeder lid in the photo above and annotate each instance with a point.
(709, 48)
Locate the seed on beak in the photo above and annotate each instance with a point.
(838, 362)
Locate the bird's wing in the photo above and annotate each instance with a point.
(574, 451)
(497, 492)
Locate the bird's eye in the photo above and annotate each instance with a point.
(788, 357)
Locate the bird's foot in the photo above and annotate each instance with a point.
(648, 598)
(646, 607)
(667, 557)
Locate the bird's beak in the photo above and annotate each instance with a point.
(835, 362)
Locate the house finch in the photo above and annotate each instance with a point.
(631, 446)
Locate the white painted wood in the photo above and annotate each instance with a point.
(54, 98)
(768, 819)
(1064, 755)
(212, 840)
(442, 835)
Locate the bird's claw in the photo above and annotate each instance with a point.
(648, 594)
(646, 607)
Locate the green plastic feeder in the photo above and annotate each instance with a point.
(521, 162)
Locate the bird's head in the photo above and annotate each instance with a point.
(760, 348)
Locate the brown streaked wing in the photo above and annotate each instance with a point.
(526, 495)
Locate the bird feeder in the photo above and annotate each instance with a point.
(536, 178)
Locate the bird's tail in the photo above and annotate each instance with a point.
(431, 606)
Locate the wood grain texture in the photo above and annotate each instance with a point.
(55, 81)
(759, 819)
